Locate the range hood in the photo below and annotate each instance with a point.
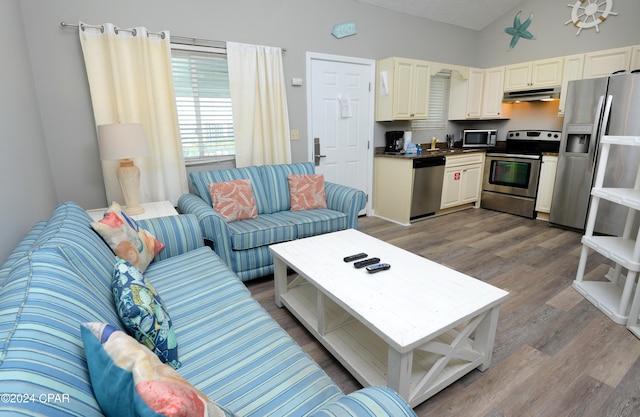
(541, 94)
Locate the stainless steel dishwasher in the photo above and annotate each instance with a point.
(428, 175)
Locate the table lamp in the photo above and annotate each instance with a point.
(125, 141)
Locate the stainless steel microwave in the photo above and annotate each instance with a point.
(479, 138)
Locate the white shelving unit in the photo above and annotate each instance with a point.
(614, 297)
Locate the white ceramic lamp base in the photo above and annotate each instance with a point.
(129, 177)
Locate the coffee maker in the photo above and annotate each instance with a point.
(395, 141)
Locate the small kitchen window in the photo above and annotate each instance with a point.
(438, 104)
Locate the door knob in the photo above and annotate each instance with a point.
(316, 151)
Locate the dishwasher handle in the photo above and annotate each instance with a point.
(433, 161)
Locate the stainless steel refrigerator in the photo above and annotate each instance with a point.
(596, 107)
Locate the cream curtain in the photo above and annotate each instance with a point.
(130, 80)
(259, 101)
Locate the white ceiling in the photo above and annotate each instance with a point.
(471, 14)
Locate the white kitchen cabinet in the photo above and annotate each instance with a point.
(393, 188)
(479, 96)
(546, 183)
(492, 92)
(606, 62)
(635, 58)
(573, 68)
(543, 73)
(614, 295)
(402, 91)
(462, 180)
(465, 95)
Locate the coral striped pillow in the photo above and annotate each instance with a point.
(307, 191)
(234, 200)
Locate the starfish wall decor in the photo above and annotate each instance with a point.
(519, 30)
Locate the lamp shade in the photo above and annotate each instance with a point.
(122, 141)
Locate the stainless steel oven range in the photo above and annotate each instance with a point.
(510, 181)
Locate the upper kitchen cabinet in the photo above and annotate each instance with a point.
(479, 96)
(606, 62)
(544, 73)
(402, 91)
(492, 92)
(465, 95)
(573, 67)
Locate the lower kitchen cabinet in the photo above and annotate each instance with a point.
(462, 180)
(393, 184)
(546, 184)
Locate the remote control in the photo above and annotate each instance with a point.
(366, 262)
(372, 269)
(355, 257)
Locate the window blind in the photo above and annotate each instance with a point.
(203, 102)
(438, 104)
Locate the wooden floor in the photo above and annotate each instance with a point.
(555, 353)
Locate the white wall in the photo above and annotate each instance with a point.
(553, 37)
(298, 25)
(27, 188)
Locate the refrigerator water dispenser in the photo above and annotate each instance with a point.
(578, 143)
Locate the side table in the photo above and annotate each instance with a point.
(151, 210)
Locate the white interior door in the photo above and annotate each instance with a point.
(340, 103)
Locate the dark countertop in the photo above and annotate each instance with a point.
(430, 154)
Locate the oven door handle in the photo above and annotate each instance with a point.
(514, 155)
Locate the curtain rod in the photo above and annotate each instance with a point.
(116, 29)
(178, 39)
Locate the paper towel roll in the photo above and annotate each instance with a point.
(407, 139)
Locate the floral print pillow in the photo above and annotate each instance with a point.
(126, 239)
(117, 363)
(143, 313)
(234, 200)
(307, 191)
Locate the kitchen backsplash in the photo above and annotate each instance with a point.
(536, 115)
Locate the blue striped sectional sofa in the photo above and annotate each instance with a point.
(244, 244)
(59, 276)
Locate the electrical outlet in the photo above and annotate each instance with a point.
(295, 134)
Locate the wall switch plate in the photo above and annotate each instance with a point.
(295, 134)
(296, 82)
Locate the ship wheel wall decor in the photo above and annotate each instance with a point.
(586, 14)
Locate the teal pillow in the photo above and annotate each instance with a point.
(143, 313)
(129, 380)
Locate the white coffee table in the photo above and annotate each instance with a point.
(415, 328)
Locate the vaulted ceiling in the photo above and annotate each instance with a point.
(470, 14)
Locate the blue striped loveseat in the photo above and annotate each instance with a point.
(59, 276)
(244, 244)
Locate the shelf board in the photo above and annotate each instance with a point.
(364, 354)
(606, 296)
(621, 140)
(618, 249)
(627, 197)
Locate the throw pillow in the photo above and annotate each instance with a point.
(129, 380)
(234, 200)
(143, 313)
(126, 239)
(307, 191)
